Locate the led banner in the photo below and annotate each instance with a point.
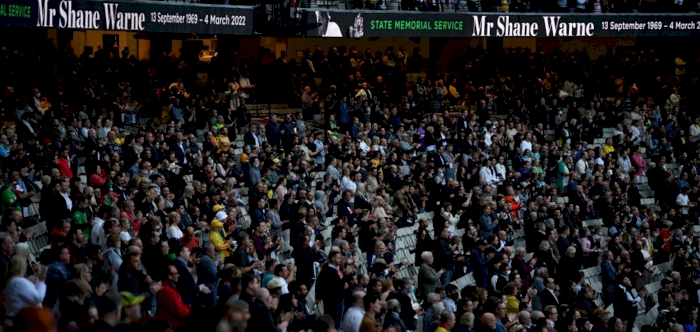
(333, 23)
(127, 16)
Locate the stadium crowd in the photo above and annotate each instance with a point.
(141, 196)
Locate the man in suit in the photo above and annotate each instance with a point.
(332, 288)
(480, 264)
(624, 303)
(428, 277)
(548, 297)
(344, 208)
(26, 132)
(444, 256)
(273, 132)
(186, 285)
(181, 149)
(305, 258)
(251, 137)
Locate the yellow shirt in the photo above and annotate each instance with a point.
(224, 143)
(608, 148)
(219, 244)
(453, 91)
(513, 305)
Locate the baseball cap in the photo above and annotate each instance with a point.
(274, 284)
(216, 223)
(129, 299)
(221, 215)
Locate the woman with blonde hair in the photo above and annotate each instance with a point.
(229, 183)
(466, 323)
(23, 292)
(188, 192)
(22, 250)
(380, 208)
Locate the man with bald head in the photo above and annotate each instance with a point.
(261, 312)
(489, 322)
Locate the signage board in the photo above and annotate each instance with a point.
(127, 16)
(334, 23)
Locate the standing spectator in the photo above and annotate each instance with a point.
(22, 292)
(332, 288)
(428, 277)
(372, 309)
(170, 305)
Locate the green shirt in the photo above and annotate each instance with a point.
(9, 200)
(80, 218)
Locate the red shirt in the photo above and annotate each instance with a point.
(191, 244)
(64, 167)
(665, 234)
(170, 306)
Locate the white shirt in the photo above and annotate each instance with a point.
(174, 232)
(501, 171)
(525, 145)
(555, 295)
(353, 319)
(485, 173)
(21, 293)
(344, 181)
(364, 147)
(283, 282)
(682, 200)
(625, 163)
(351, 186)
(125, 236)
(244, 82)
(97, 234)
(581, 167)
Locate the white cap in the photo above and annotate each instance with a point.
(221, 215)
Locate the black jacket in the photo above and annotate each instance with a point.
(548, 299)
(444, 258)
(262, 318)
(332, 287)
(186, 286)
(624, 308)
